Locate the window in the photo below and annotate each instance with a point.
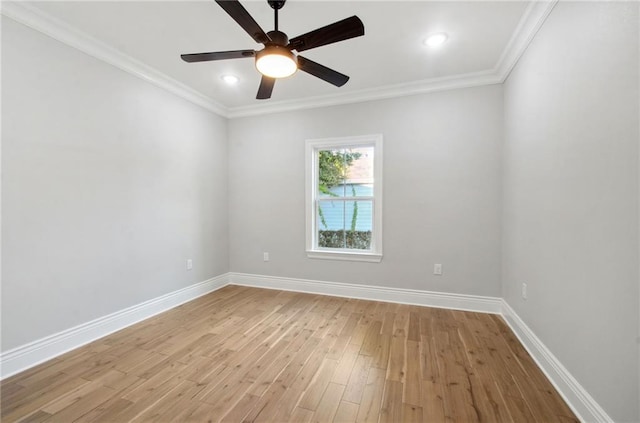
(344, 198)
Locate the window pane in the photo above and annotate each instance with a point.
(360, 190)
(331, 215)
(331, 173)
(359, 222)
(334, 191)
(359, 173)
(345, 224)
(331, 224)
(343, 171)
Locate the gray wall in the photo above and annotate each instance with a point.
(108, 185)
(442, 170)
(571, 195)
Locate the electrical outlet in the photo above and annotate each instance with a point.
(265, 256)
(437, 269)
(189, 264)
(524, 291)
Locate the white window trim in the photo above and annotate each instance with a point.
(311, 189)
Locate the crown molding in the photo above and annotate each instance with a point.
(380, 93)
(55, 28)
(531, 21)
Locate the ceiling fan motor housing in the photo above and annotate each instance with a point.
(278, 38)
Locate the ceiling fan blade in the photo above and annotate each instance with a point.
(217, 55)
(266, 87)
(316, 69)
(332, 33)
(244, 19)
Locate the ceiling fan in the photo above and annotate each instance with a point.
(278, 59)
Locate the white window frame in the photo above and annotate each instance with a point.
(311, 189)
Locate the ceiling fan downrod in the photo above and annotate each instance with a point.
(276, 5)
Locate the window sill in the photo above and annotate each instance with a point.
(344, 256)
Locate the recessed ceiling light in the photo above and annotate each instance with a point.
(436, 40)
(230, 79)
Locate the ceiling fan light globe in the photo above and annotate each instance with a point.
(276, 62)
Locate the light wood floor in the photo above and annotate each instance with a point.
(245, 354)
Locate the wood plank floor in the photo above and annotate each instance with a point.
(253, 355)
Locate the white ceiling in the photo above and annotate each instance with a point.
(389, 57)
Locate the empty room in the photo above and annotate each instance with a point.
(320, 211)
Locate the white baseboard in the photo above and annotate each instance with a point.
(39, 351)
(36, 352)
(578, 399)
(376, 293)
